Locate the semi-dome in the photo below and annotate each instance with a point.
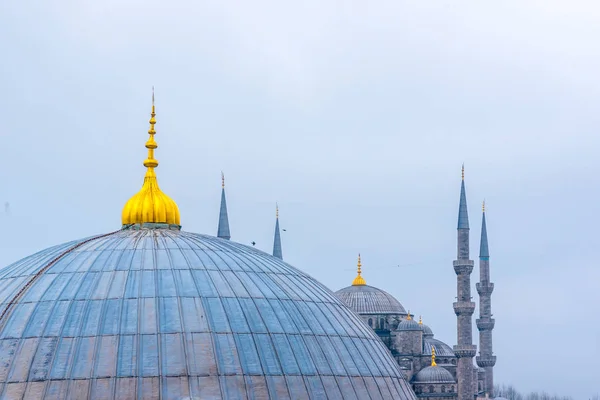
(433, 374)
(153, 312)
(365, 299)
(427, 332)
(441, 348)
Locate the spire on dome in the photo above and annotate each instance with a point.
(420, 320)
(408, 317)
(433, 363)
(277, 240)
(150, 205)
(483, 247)
(359, 280)
(223, 228)
(463, 216)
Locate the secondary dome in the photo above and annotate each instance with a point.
(441, 348)
(365, 299)
(433, 374)
(408, 324)
(174, 313)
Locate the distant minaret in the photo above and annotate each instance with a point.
(465, 350)
(485, 323)
(223, 229)
(277, 241)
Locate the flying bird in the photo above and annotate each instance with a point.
(253, 243)
(285, 230)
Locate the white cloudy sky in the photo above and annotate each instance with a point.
(355, 117)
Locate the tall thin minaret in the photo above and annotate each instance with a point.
(485, 323)
(465, 350)
(277, 240)
(223, 229)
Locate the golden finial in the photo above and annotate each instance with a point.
(433, 363)
(359, 280)
(463, 172)
(420, 320)
(150, 204)
(408, 317)
(483, 206)
(276, 211)
(222, 180)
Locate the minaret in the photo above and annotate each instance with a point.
(465, 350)
(223, 229)
(277, 241)
(485, 323)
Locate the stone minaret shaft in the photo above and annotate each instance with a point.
(464, 307)
(485, 323)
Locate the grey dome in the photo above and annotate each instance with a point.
(433, 375)
(166, 314)
(427, 332)
(441, 348)
(408, 325)
(365, 299)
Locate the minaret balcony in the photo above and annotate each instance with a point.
(462, 267)
(464, 308)
(465, 350)
(484, 288)
(485, 324)
(485, 361)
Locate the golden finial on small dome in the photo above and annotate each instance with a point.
(420, 320)
(433, 363)
(150, 204)
(359, 280)
(408, 317)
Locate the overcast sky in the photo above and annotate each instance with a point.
(355, 117)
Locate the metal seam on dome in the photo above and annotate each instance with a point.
(17, 296)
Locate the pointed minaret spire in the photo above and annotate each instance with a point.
(277, 240)
(465, 350)
(223, 228)
(485, 323)
(463, 216)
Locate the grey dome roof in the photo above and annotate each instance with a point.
(169, 314)
(408, 325)
(427, 332)
(365, 299)
(441, 348)
(433, 375)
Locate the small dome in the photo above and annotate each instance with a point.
(427, 332)
(441, 348)
(433, 374)
(365, 299)
(408, 325)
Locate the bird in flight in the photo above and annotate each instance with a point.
(285, 230)
(253, 243)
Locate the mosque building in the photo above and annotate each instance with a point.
(435, 369)
(151, 311)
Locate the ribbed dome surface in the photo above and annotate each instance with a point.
(433, 375)
(365, 299)
(427, 332)
(441, 348)
(169, 314)
(408, 325)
